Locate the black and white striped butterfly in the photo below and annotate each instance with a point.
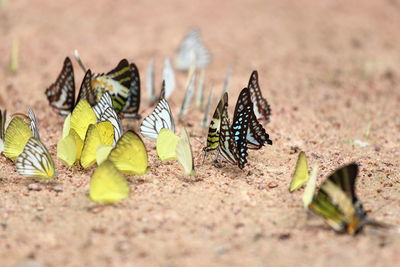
(61, 94)
(132, 105)
(86, 91)
(262, 109)
(240, 126)
(35, 161)
(256, 135)
(192, 50)
(104, 111)
(161, 117)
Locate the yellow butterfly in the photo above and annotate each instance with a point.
(184, 153)
(166, 144)
(35, 161)
(16, 137)
(129, 154)
(102, 153)
(97, 135)
(69, 148)
(300, 175)
(108, 184)
(82, 116)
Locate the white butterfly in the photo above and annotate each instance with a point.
(105, 111)
(190, 88)
(34, 124)
(168, 76)
(150, 81)
(160, 118)
(192, 49)
(35, 161)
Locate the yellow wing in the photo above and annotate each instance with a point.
(102, 153)
(184, 153)
(108, 185)
(35, 161)
(166, 144)
(66, 126)
(16, 137)
(69, 149)
(129, 154)
(97, 135)
(300, 175)
(309, 191)
(82, 116)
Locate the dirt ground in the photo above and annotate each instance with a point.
(330, 69)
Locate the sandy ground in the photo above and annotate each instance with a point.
(328, 68)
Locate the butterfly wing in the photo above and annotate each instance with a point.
(132, 105)
(184, 153)
(227, 147)
(129, 154)
(192, 49)
(240, 125)
(3, 119)
(86, 91)
(168, 76)
(107, 184)
(166, 145)
(117, 82)
(160, 118)
(16, 137)
(82, 116)
(61, 94)
(33, 124)
(35, 161)
(261, 107)
(215, 125)
(337, 203)
(300, 175)
(150, 78)
(104, 103)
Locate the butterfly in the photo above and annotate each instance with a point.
(261, 106)
(200, 90)
(150, 77)
(108, 184)
(256, 135)
(215, 125)
(168, 76)
(117, 82)
(192, 49)
(35, 161)
(190, 88)
(69, 148)
(337, 203)
(160, 118)
(184, 153)
(86, 91)
(81, 117)
(61, 94)
(166, 144)
(104, 111)
(131, 108)
(129, 154)
(240, 125)
(100, 134)
(300, 175)
(16, 136)
(309, 191)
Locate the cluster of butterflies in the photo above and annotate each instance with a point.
(93, 134)
(336, 200)
(246, 131)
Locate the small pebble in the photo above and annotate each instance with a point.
(272, 184)
(34, 187)
(58, 188)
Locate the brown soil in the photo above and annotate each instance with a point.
(328, 69)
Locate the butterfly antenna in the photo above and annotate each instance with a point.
(79, 60)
